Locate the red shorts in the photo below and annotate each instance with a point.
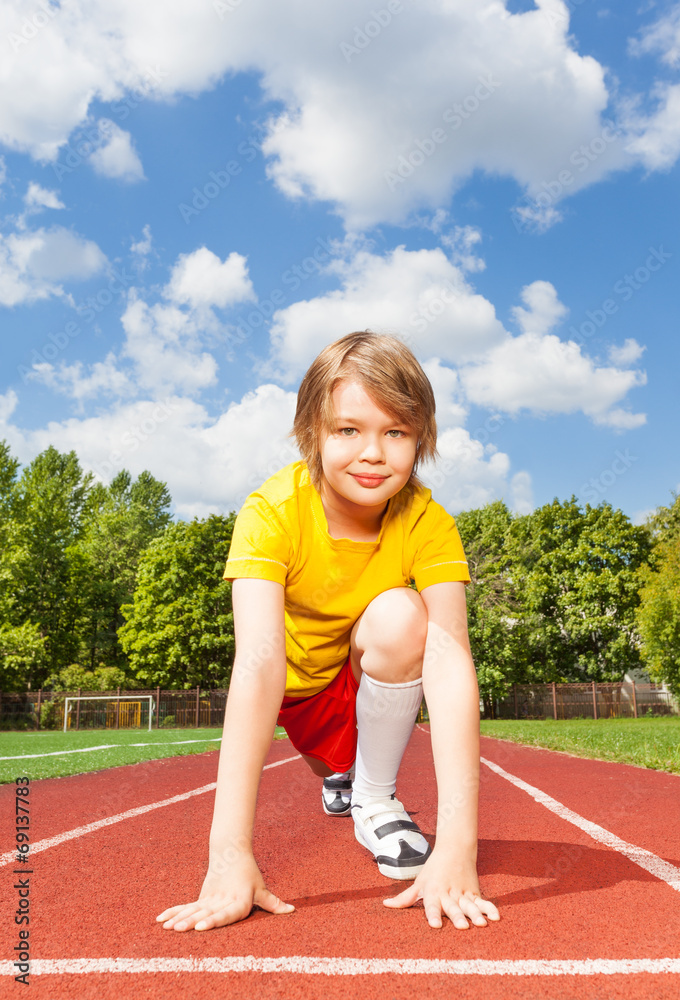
(324, 726)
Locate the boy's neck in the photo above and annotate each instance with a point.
(348, 516)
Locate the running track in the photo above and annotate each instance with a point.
(580, 919)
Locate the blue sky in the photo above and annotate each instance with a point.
(195, 199)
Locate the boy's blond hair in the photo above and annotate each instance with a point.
(388, 371)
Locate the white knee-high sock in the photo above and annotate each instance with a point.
(385, 717)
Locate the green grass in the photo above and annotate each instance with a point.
(653, 743)
(164, 743)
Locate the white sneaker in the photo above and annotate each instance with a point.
(336, 794)
(385, 828)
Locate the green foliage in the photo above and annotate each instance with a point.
(40, 566)
(659, 612)
(120, 522)
(49, 715)
(103, 678)
(22, 652)
(69, 551)
(577, 571)
(179, 630)
(495, 623)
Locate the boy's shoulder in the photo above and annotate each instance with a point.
(284, 486)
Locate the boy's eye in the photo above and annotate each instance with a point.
(343, 429)
(402, 433)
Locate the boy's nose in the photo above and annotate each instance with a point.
(372, 451)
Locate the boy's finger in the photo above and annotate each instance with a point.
(272, 904)
(470, 909)
(433, 912)
(405, 898)
(454, 913)
(488, 908)
(180, 913)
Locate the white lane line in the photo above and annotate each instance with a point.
(110, 746)
(304, 965)
(42, 845)
(656, 866)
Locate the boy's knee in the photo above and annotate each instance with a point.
(399, 616)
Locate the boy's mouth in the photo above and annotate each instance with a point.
(368, 479)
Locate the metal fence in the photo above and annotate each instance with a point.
(204, 708)
(623, 700)
(45, 709)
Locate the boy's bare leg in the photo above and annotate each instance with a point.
(318, 767)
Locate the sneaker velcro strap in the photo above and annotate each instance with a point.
(337, 784)
(397, 824)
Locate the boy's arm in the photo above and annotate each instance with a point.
(448, 883)
(233, 883)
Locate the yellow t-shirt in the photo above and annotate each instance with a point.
(281, 534)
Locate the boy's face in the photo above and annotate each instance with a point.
(367, 457)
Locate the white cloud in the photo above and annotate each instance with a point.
(419, 295)
(468, 474)
(210, 465)
(663, 37)
(38, 197)
(103, 378)
(164, 350)
(544, 375)
(654, 139)
(627, 354)
(544, 309)
(142, 248)
(504, 93)
(448, 394)
(201, 279)
(33, 263)
(117, 158)
(165, 345)
(461, 243)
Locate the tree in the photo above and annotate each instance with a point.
(659, 613)
(495, 623)
(578, 572)
(179, 630)
(40, 565)
(120, 522)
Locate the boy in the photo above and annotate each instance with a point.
(332, 641)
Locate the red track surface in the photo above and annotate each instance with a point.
(561, 894)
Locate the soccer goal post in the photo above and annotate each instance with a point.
(109, 697)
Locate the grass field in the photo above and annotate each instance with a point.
(653, 743)
(166, 743)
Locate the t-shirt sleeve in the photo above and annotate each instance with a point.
(261, 548)
(436, 549)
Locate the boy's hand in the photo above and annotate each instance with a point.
(225, 899)
(447, 887)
